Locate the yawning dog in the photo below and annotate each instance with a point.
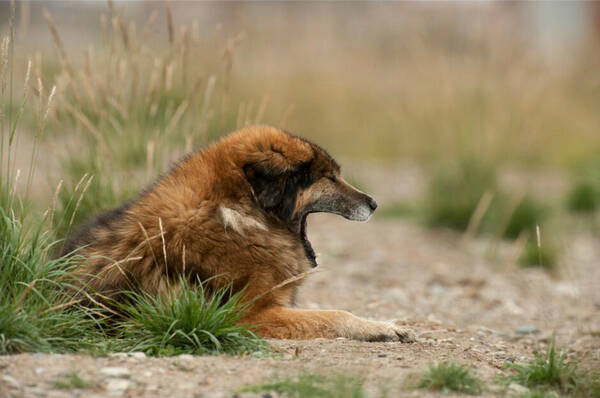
(232, 214)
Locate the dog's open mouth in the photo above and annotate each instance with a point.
(310, 253)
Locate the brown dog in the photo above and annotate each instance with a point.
(233, 214)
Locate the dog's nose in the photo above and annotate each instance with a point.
(372, 204)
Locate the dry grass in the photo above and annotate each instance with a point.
(422, 86)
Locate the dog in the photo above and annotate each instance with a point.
(232, 215)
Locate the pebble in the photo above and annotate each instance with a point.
(137, 355)
(117, 386)
(10, 381)
(185, 357)
(115, 372)
(527, 329)
(121, 355)
(517, 388)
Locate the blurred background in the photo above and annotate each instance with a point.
(478, 116)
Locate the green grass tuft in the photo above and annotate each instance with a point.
(545, 256)
(548, 371)
(450, 377)
(528, 213)
(583, 197)
(455, 191)
(35, 293)
(189, 321)
(309, 385)
(71, 381)
(550, 375)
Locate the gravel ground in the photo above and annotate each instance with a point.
(464, 298)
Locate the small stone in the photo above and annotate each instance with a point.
(185, 357)
(137, 355)
(11, 381)
(527, 329)
(115, 372)
(121, 355)
(518, 389)
(39, 370)
(117, 386)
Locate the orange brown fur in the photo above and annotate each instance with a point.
(232, 214)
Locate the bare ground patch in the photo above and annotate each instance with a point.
(464, 300)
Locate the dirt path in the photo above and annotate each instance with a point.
(463, 304)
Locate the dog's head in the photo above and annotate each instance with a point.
(291, 177)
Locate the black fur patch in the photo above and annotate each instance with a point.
(277, 194)
(83, 234)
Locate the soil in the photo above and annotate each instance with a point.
(464, 298)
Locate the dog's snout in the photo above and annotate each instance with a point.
(372, 204)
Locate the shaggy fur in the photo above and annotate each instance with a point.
(232, 214)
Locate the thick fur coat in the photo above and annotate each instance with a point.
(232, 214)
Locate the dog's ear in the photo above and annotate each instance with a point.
(270, 167)
(268, 176)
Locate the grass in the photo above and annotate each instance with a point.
(465, 195)
(551, 374)
(71, 381)
(451, 377)
(35, 295)
(455, 191)
(549, 370)
(79, 200)
(528, 214)
(188, 322)
(35, 309)
(131, 108)
(543, 256)
(583, 197)
(310, 385)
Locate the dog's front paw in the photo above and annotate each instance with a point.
(386, 331)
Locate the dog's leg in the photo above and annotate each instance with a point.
(291, 323)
